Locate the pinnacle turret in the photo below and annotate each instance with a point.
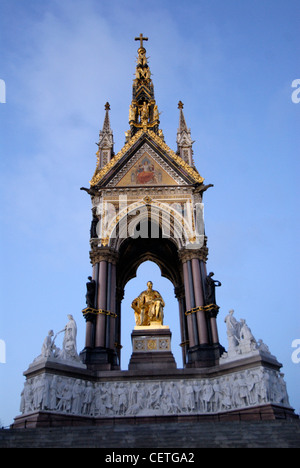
(106, 141)
(184, 139)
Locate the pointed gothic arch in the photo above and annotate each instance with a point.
(158, 220)
(152, 243)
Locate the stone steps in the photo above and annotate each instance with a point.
(264, 434)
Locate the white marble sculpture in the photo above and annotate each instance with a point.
(68, 354)
(241, 341)
(48, 348)
(69, 350)
(236, 390)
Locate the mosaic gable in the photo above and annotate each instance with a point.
(146, 171)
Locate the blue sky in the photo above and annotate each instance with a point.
(232, 64)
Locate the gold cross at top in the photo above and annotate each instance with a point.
(141, 39)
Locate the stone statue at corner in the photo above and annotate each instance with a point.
(68, 354)
(69, 350)
(210, 289)
(90, 292)
(241, 340)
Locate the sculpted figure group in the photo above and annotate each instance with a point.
(69, 345)
(241, 339)
(235, 390)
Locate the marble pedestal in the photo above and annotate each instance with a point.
(248, 388)
(245, 384)
(151, 347)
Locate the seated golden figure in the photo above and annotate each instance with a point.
(148, 307)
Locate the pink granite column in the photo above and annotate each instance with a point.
(112, 338)
(89, 334)
(118, 299)
(201, 321)
(182, 328)
(101, 318)
(214, 330)
(90, 324)
(188, 302)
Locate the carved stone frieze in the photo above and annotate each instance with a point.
(234, 391)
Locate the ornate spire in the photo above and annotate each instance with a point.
(184, 140)
(143, 112)
(182, 122)
(106, 123)
(106, 141)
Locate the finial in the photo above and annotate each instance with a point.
(180, 105)
(107, 106)
(141, 39)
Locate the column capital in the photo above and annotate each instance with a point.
(100, 254)
(190, 254)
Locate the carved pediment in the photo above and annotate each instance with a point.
(146, 168)
(146, 160)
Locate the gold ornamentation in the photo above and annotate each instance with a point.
(105, 241)
(141, 39)
(151, 345)
(210, 308)
(143, 118)
(148, 307)
(90, 310)
(184, 343)
(192, 172)
(99, 174)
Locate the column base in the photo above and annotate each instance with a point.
(100, 359)
(204, 355)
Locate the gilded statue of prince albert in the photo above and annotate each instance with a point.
(148, 307)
